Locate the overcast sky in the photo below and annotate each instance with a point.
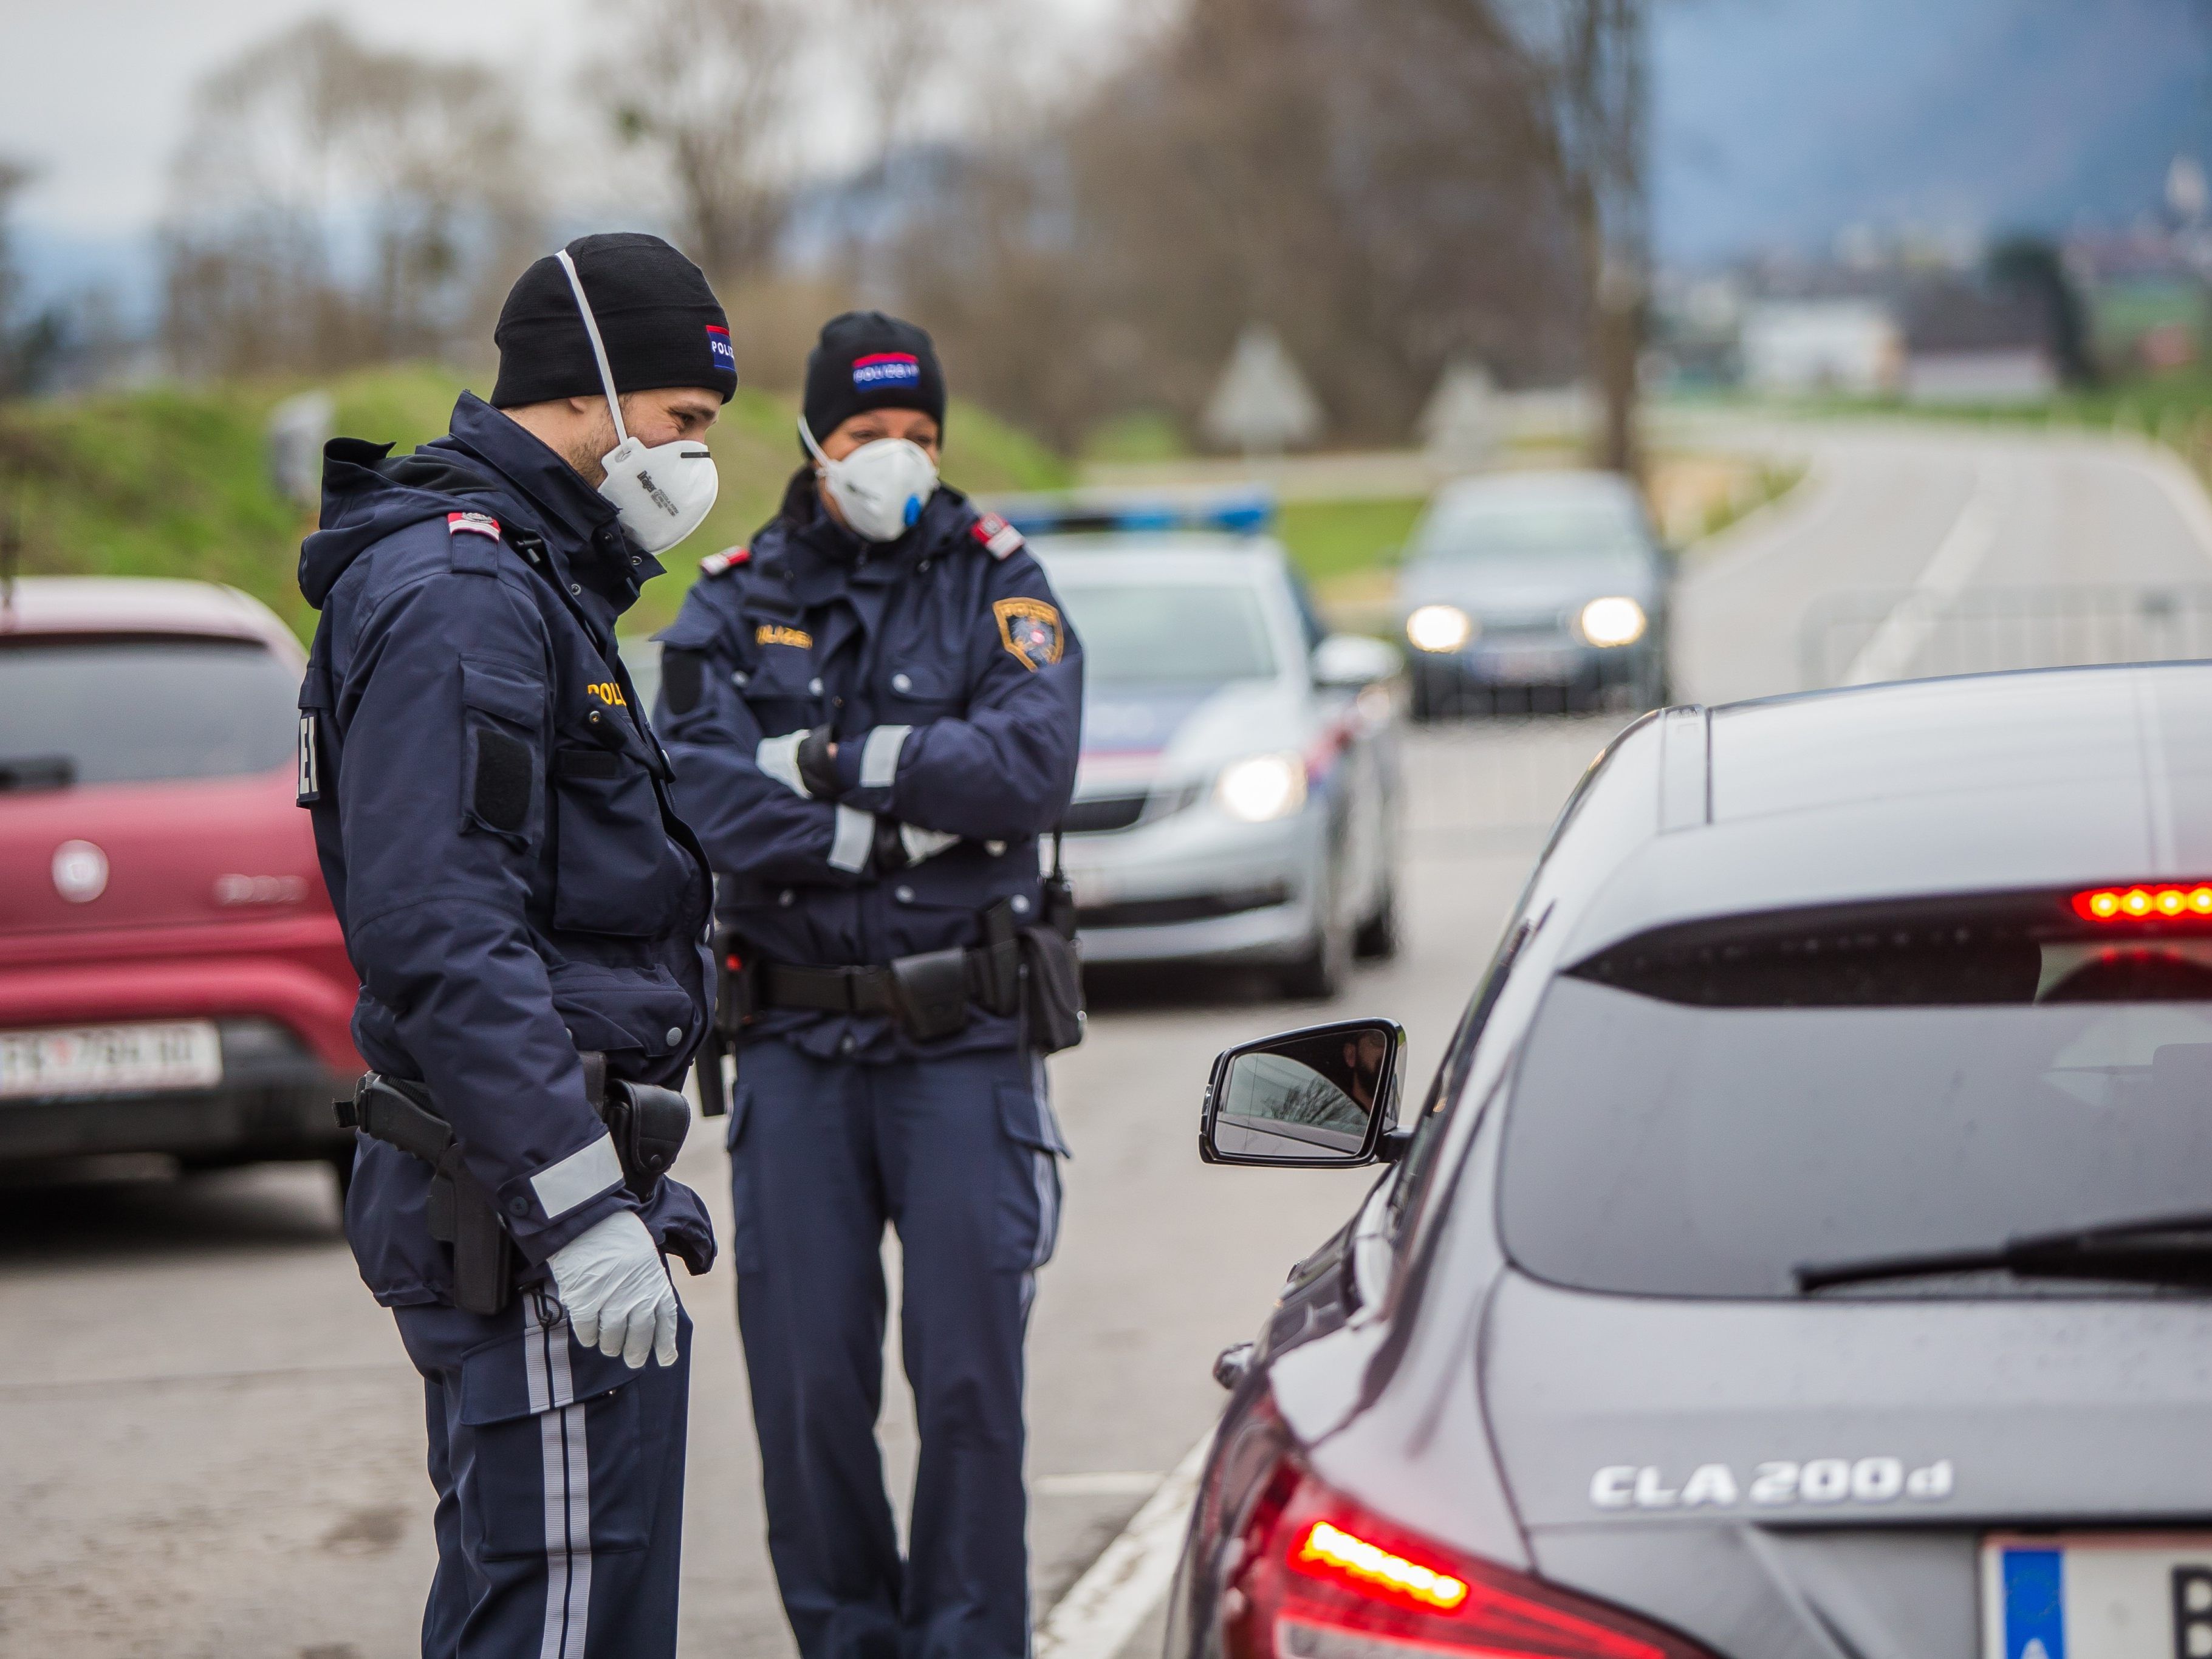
(95, 94)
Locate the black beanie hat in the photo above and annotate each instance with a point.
(866, 360)
(661, 325)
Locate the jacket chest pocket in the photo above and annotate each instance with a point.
(782, 689)
(615, 871)
(913, 689)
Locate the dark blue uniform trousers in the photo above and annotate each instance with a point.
(560, 1480)
(959, 1154)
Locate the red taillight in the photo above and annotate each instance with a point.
(2146, 901)
(1321, 1574)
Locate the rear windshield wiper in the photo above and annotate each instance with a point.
(37, 772)
(2164, 1250)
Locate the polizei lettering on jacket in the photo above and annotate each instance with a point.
(1771, 1485)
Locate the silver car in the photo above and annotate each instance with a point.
(1237, 797)
(1804, 1250)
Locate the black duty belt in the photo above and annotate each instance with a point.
(646, 1124)
(929, 995)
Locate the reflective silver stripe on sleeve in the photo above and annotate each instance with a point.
(855, 836)
(880, 755)
(778, 758)
(581, 1175)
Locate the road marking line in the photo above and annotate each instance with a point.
(1889, 654)
(2181, 489)
(1103, 1609)
(1112, 1483)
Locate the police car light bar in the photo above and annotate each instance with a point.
(1245, 514)
(2145, 902)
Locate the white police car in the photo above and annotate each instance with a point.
(1238, 793)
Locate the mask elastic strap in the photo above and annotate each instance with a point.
(812, 448)
(599, 346)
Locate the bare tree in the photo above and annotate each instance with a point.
(1591, 55)
(710, 84)
(1370, 178)
(332, 205)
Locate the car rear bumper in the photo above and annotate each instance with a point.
(273, 1102)
(1563, 661)
(1200, 887)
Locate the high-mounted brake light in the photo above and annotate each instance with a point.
(2145, 902)
(1321, 1573)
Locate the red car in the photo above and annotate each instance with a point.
(171, 977)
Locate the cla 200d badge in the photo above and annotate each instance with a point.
(1821, 1480)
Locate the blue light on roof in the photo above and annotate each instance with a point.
(1246, 513)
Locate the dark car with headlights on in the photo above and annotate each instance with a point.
(1802, 1249)
(1535, 591)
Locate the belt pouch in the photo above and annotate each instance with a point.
(1052, 990)
(930, 991)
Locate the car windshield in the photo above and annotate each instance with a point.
(139, 710)
(1703, 1127)
(1172, 634)
(1580, 527)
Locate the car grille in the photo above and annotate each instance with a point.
(1204, 907)
(1103, 814)
(1090, 817)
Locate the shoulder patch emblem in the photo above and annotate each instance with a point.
(777, 634)
(1030, 628)
(472, 524)
(999, 539)
(715, 563)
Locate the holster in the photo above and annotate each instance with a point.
(737, 995)
(459, 1210)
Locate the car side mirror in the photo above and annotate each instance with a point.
(1345, 662)
(1321, 1097)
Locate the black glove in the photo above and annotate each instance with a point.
(815, 768)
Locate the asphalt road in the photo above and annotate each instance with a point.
(209, 1445)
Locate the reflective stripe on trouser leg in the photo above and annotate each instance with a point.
(565, 1460)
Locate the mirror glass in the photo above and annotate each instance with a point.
(1307, 1098)
(1353, 660)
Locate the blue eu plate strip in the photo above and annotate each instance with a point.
(2034, 1605)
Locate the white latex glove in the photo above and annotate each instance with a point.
(615, 1291)
(778, 758)
(922, 843)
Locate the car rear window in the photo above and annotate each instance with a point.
(1699, 1115)
(141, 710)
(1182, 634)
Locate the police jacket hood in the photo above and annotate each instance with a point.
(482, 465)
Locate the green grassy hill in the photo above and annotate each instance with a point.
(174, 481)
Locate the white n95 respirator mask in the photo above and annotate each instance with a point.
(880, 487)
(662, 492)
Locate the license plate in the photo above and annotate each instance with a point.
(2140, 1596)
(110, 1060)
(1525, 663)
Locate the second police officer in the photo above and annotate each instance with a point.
(874, 715)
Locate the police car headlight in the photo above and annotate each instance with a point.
(1439, 628)
(1613, 621)
(1262, 788)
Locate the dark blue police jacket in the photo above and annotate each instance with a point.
(493, 819)
(955, 686)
